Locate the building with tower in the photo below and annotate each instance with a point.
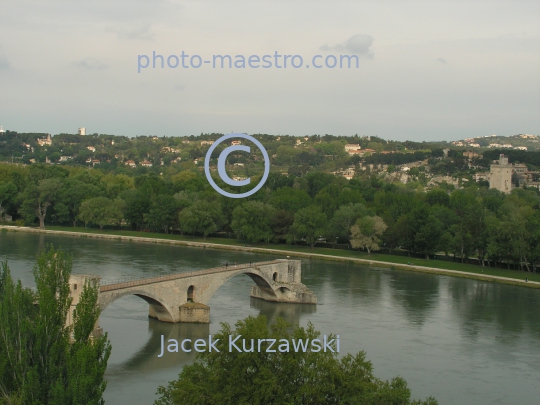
(500, 175)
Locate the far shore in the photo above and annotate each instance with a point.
(385, 261)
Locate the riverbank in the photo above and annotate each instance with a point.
(385, 261)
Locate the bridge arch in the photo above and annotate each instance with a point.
(258, 277)
(158, 308)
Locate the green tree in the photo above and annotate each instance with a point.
(96, 210)
(515, 221)
(137, 207)
(74, 192)
(253, 220)
(55, 156)
(8, 190)
(427, 238)
(533, 225)
(500, 242)
(344, 218)
(290, 199)
(281, 223)
(203, 217)
(116, 185)
(465, 206)
(164, 212)
(281, 378)
(115, 211)
(37, 198)
(437, 196)
(366, 233)
(42, 361)
(309, 224)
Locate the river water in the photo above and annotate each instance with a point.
(462, 341)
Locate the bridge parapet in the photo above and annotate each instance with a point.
(107, 285)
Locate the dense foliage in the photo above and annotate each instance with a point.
(43, 362)
(469, 222)
(281, 378)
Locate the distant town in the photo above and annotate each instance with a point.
(503, 162)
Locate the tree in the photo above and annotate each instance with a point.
(437, 196)
(290, 199)
(74, 192)
(115, 211)
(365, 234)
(38, 198)
(309, 223)
(533, 225)
(344, 218)
(281, 223)
(252, 220)
(43, 361)
(515, 221)
(202, 217)
(8, 191)
(279, 377)
(115, 185)
(137, 207)
(163, 212)
(96, 210)
(427, 238)
(466, 208)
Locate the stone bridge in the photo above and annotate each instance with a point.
(182, 297)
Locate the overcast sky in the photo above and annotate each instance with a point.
(427, 69)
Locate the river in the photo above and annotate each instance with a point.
(462, 341)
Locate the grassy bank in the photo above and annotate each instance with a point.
(379, 260)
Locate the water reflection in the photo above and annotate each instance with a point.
(290, 312)
(477, 303)
(416, 293)
(350, 284)
(147, 358)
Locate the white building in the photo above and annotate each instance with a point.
(82, 131)
(352, 146)
(91, 148)
(2, 130)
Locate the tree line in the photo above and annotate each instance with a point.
(365, 212)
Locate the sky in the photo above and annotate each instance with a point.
(427, 70)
